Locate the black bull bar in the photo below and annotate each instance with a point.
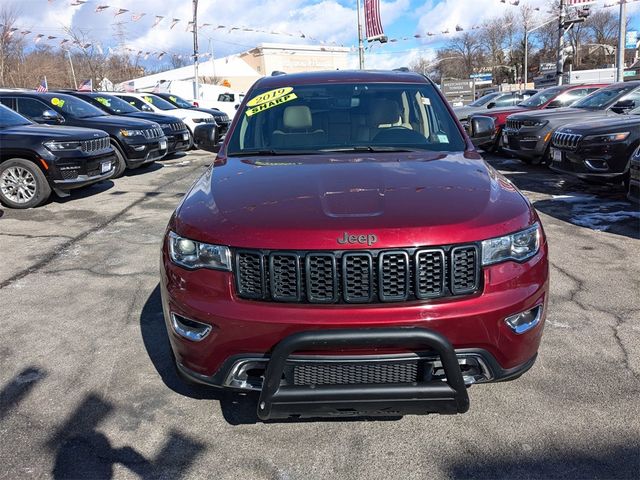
(284, 401)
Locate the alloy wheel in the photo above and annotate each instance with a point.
(18, 184)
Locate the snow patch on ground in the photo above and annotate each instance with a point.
(597, 213)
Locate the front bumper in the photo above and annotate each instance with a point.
(525, 143)
(140, 152)
(242, 329)
(70, 173)
(178, 141)
(606, 163)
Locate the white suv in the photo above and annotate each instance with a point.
(148, 102)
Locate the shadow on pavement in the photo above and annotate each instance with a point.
(237, 408)
(84, 192)
(18, 388)
(81, 451)
(620, 461)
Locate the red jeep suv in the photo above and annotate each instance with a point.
(350, 253)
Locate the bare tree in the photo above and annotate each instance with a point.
(469, 49)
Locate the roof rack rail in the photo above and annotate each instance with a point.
(401, 69)
(277, 73)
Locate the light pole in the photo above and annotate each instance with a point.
(560, 63)
(621, 39)
(73, 72)
(196, 85)
(360, 40)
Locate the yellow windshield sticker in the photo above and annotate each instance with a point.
(103, 101)
(269, 96)
(148, 99)
(57, 102)
(173, 99)
(270, 104)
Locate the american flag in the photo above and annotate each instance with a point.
(43, 87)
(372, 19)
(86, 86)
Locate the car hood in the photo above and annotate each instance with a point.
(308, 202)
(50, 132)
(605, 124)
(566, 112)
(464, 112)
(187, 114)
(115, 121)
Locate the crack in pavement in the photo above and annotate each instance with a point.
(78, 238)
(25, 235)
(616, 328)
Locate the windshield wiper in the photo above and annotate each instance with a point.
(373, 149)
(270, 153)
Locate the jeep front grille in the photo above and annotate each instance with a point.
(357, 276)
(177, 126)
(95, 145)
(151, 133)
(567, 141)
(514, 124)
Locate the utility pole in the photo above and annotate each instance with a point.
(560, 64)
(73, 72)
(526, 56)
(360, 40)
(196, 85)
(621, 39)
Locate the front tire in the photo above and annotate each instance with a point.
(121, 163)
(22, 184)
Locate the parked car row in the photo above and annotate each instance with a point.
(86, 137)
(595, 139)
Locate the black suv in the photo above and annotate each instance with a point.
(174, 129)
(597, 150)
(222, 119)
(36, 159)
(136, 142)
(528, 135)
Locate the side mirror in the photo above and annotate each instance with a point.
(146, 108)
(555, 104)
(52, 116)
(481, 127)
(623, 106)
(236, 106)
(491, 105)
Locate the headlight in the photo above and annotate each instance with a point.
(131, 133)
(56, 146)
(192, 255)
(609, 138)
(534, 123)
(518, 246)
(199, 120)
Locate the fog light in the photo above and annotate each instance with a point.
(139, 148)
(599, 165)
(189, 329)
(525, 321)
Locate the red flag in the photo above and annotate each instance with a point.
(372, 20)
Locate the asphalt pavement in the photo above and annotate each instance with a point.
(87, 389)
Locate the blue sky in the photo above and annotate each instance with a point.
(324, 20)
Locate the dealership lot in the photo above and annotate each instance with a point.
(87, 385)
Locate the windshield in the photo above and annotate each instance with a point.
(9, 118)
(603, 98)
(345, 117)
(156, 101)
(114, 105)
(541, 98)
(178, 101)
(484, 100)
(74, 107)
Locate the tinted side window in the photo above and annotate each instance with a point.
(571, 97)
(136, 102)
(633, 96)
(32, 108)
(8, 102)
(226, 97)
(506, 101)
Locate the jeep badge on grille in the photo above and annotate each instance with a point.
(353, 239)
